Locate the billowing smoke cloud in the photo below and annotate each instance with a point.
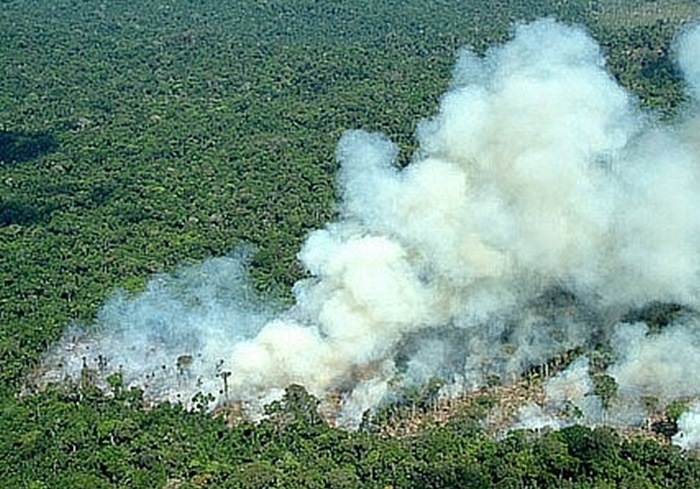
(542, 206)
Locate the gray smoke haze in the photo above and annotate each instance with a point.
(542, 205)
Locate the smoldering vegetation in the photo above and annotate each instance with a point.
(544, 212)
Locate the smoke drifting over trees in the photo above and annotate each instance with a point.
(542, 206)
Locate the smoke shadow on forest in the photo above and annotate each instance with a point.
(21, 146)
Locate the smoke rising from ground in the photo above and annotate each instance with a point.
(542, 206)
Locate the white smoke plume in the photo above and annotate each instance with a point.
(688, 436)
(542, 205)
(172, 338)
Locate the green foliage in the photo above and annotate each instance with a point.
(605, 387)
(676, 409)
(137, 137)
(601, 358)
(19, 146)
(81, 437)
(297, 407)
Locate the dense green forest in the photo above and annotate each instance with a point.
(138, 137)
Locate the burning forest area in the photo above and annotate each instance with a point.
(538, 256)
